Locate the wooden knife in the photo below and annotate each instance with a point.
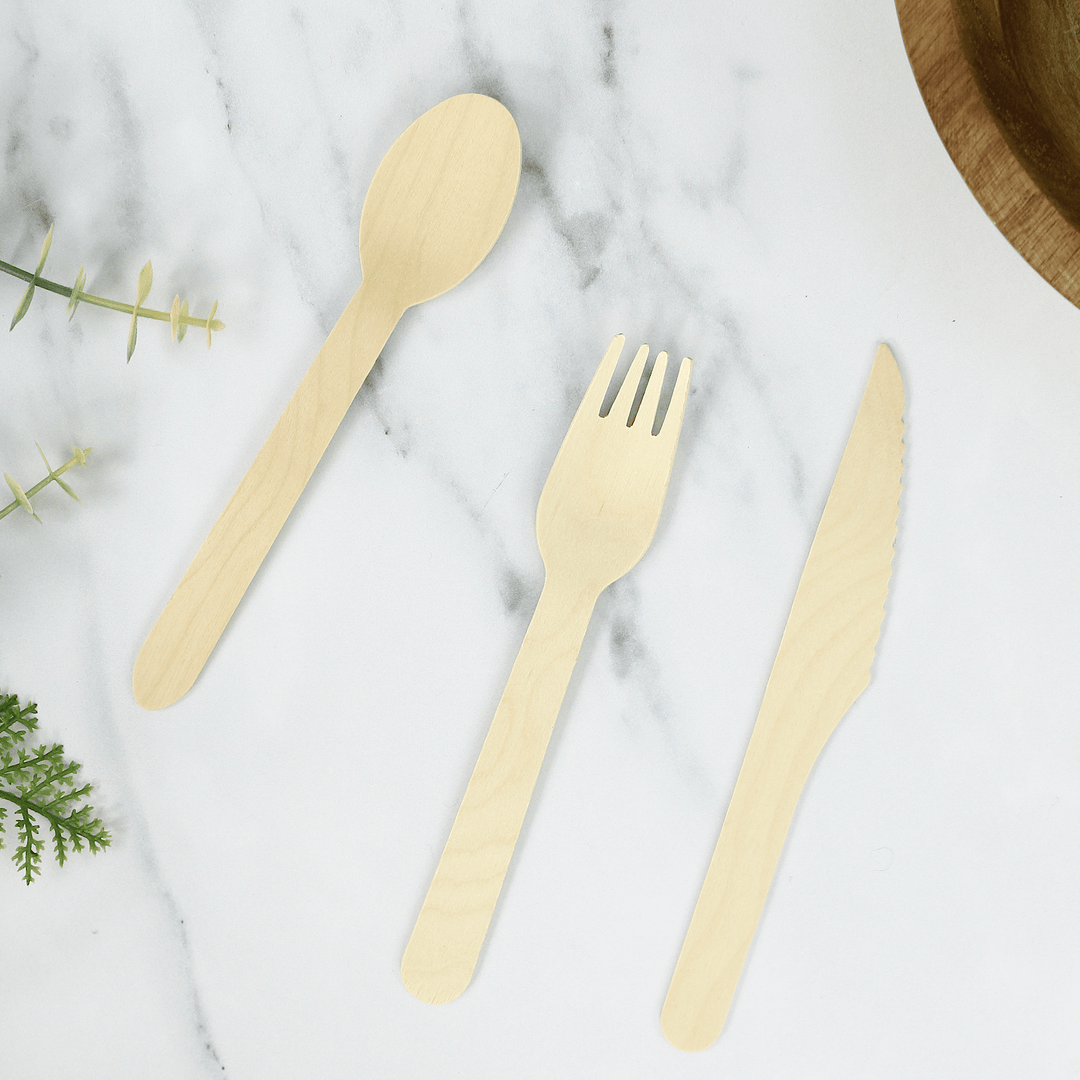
(821, 668)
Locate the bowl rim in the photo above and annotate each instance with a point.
(966, 126)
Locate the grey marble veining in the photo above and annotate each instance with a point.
(760, 189)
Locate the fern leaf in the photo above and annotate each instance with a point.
(59, 844)
(28, 851)
(40, 783)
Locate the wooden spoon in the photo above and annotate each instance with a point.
(436, 205)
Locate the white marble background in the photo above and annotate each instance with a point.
(756, 185)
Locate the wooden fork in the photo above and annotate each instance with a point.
(596, 518)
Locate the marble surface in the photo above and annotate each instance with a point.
(755, 185)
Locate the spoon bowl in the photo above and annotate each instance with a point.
(440, 198)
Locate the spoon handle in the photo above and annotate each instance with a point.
(192, 621)
(450, 930)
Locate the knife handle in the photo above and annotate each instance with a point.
(192, 621)
(755, 827)
(445, 944)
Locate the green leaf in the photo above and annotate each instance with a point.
(44, 253)
(28, 296)
(15, 722)
(55, 476)
(28, 850)
(20, 495)
(132, 333)
(76, 291)
(40, 783)
(45, 459)
(24, 305)
(146, 279)
(59, 845)
(210, 323)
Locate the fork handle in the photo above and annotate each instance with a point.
(450, 930)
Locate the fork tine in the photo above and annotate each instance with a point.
(594, 396)
(646, 414)
(624, 400)
(674, 418)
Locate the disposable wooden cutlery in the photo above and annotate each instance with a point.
(596, 518)
(435, 207)
(822, 666)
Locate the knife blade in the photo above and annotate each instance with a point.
(822, 666)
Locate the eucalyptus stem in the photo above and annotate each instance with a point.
(101, 301)
(22, 498)
(178, 318)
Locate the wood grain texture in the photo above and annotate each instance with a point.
(435, 207)
(957, 53)
(822, 666)
(597, 515)
(1025, 56)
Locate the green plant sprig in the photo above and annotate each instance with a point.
(41, 784)
(178, 318)
(22, 498)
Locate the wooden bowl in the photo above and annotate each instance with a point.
(1001, 80)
